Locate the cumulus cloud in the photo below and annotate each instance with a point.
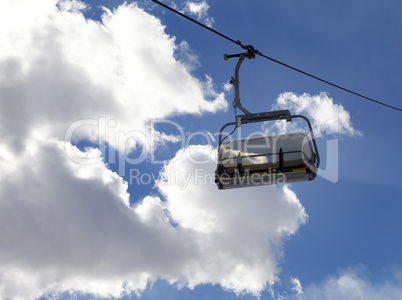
(56, 67)
(241, 232)
(351, 284)
(326, 116)
(70, 227)
(67, 226)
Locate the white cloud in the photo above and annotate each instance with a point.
(69, 227)
(326, 116)
(57, 67)
(227, 86)
(200, 10)
(240, 232)
(187, 56)
(297, 287)
(352, 285)
(72, 5)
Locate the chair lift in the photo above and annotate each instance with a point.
(264, 160)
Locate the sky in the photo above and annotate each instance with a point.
(109, 117)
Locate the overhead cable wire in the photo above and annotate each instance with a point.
(327, 82)
(248, 48)
(196, 22)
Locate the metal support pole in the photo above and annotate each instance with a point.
(236, 81)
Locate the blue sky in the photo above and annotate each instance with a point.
(79, 231)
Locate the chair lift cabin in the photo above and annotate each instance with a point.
(264, 160)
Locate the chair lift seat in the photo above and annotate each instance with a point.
(265, 160)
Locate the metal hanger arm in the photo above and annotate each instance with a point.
(235, 80)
